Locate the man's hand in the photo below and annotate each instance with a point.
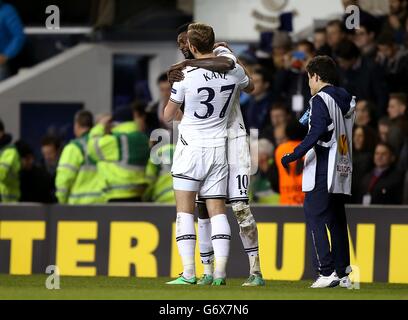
(286, 159)
(106, 121)
(175, 73)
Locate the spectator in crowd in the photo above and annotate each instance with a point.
(12, 37)
(397, 112)
(250, 63)
(389, 133)
(364, 142)
(77, 180)
(281, 47)
(365, 114)
(320, 42)
(394, 60)
(335, 33)
(9, 168)
(51, 150)
(121, 153)
(36, 184)
(383, 185)
(290, 179)
(154, 111)
(279, 134)
(256, 110)
(395, 22)
(261, 190)
(140, 118)
(361, 76)
(279, 115)
(364, 39)
(291, 83)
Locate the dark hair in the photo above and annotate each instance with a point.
(324, 67)
(139, 107)
(337, 23)
(370, 138)
(320, 30)
(310, 46)
(371, 107)
(279, 105)
(369, 25)
(387, 145)
(385, 121)
(347, 50)
(201, 36)
(162, 78)
(295, 131)
(48, 140)
(265, 74)
(386, 39)
(84, 119)
(1, 126)
(400, 96)
(24, 149)
(183, 28)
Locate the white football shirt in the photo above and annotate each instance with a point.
(235, 125)
(208, 97)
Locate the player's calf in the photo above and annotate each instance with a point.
(249, 237)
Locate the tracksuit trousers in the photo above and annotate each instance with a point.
(325, 212)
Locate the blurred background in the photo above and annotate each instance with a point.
(111, 57)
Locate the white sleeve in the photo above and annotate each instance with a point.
(243, 80)
(177, 92)
(224, 52)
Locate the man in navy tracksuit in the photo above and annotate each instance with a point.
(324, 208)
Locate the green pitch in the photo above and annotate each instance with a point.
(33, 287)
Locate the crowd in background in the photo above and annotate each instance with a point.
(373, 66)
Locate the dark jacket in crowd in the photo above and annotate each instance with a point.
(289, 83)
(396, 72)
(256, 112)
(366, 81)
(36, 185)
(386, 190)
(362, 164)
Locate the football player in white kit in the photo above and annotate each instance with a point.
(239, 169)
(200, 165)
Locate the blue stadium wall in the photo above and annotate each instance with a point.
(139, 241)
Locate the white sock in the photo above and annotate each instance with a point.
(254, 265)
(186, 241)
(221, 238)
(205, 245)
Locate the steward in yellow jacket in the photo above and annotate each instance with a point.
(121, 154)
(9, 168)
(78, 181)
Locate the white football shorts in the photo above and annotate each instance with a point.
(200, 169)
(239, 169)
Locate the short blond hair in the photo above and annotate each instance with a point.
(201, 36)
